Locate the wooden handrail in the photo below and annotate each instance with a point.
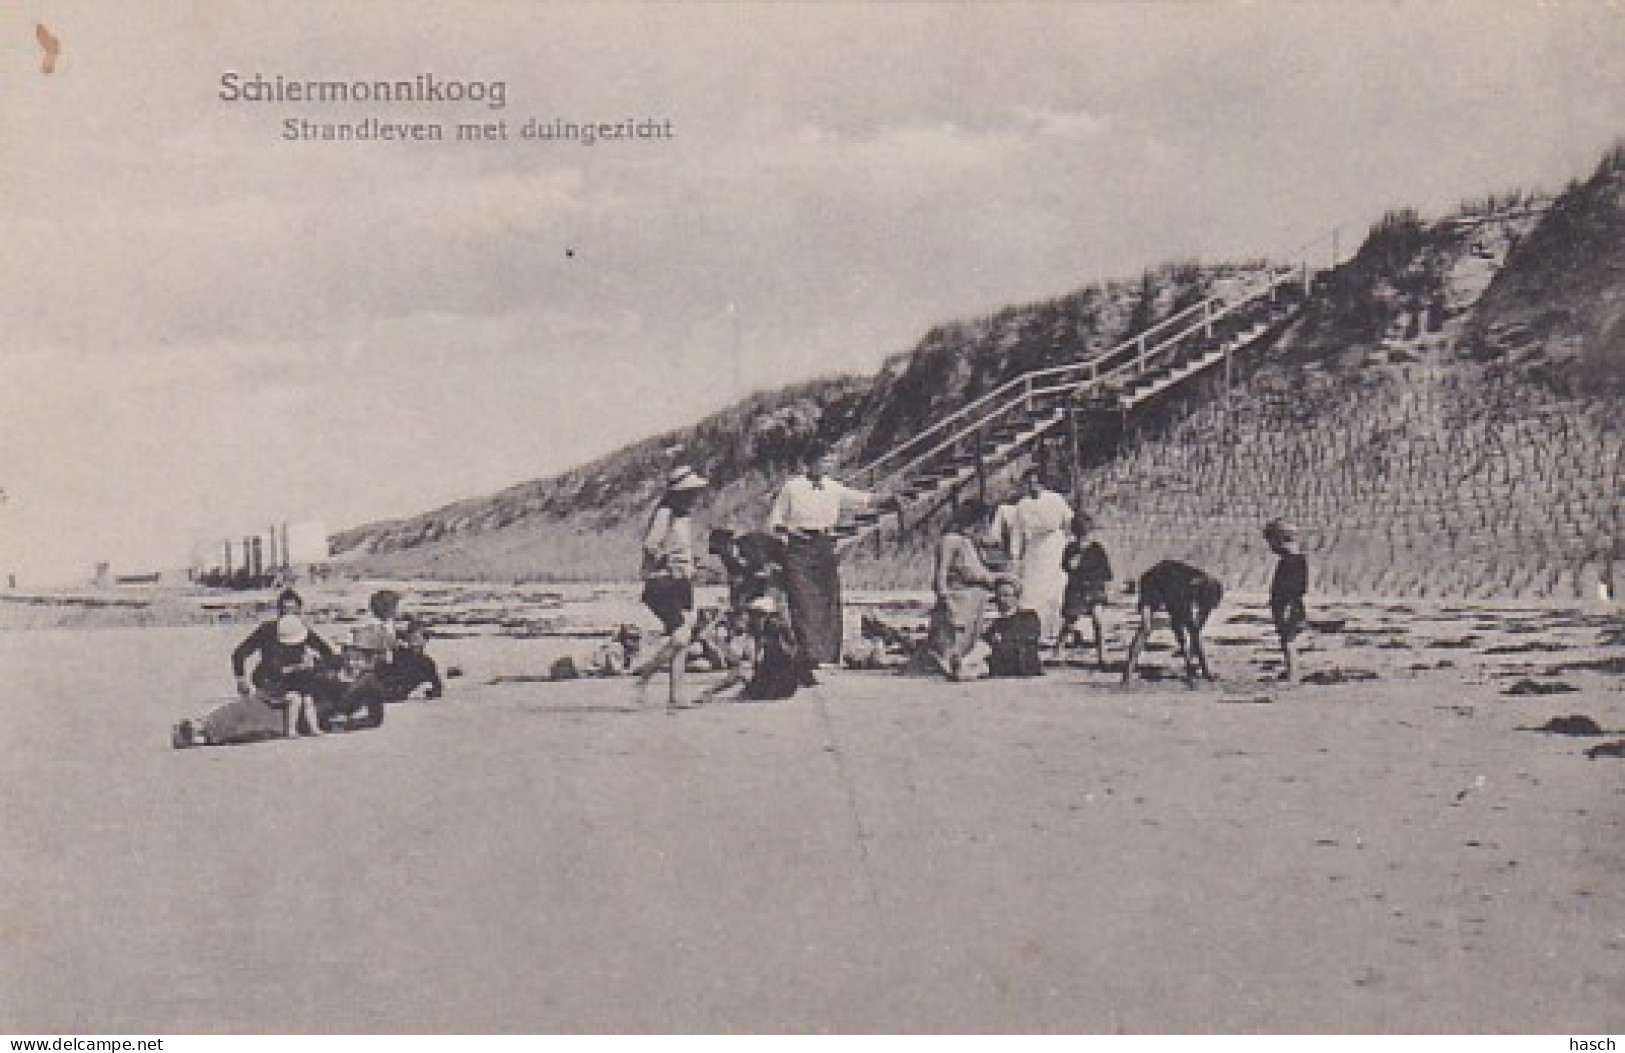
(1274, 278)
(1139, 341)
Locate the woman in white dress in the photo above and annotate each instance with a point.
(1043, 523)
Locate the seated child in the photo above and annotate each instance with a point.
(412, 666)
(708, 648)
(769, 668)
(613, 657)
(1010, 644)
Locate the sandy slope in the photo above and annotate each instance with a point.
(881, 854)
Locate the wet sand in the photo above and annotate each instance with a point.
(1382, 854)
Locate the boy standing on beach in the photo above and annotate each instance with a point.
(1088, 571)
(1287, 589)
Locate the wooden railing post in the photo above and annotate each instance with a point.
(1072, 411)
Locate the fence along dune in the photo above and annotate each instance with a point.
(1399, 491)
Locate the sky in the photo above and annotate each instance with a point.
(206, 328)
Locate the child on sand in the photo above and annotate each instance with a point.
(1009, 645)
(771, 671)
(1287, 588)
(1088, 571)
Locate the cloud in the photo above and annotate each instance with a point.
(205, 323)
(1075, 124)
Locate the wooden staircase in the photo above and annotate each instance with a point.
(931, 467)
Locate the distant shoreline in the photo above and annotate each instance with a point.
(567, 609)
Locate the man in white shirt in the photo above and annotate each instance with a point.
(804, 514)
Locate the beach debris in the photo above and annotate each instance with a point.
(1461, 795)
(1535, 687)
(1615, 748)
(1520, 648)
(1256, 700)
(1573, 724)
(1339, 676)
(1596, 665)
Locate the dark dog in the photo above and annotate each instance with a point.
(1189, 595)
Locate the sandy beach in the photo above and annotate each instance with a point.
(1390, 854)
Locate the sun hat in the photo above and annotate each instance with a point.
(685, 478)
(291, 630)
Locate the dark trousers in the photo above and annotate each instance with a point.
(812, 582)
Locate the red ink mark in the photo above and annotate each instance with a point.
(51, 45)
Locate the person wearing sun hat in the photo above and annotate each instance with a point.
(668, 577)
(1288, 586)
